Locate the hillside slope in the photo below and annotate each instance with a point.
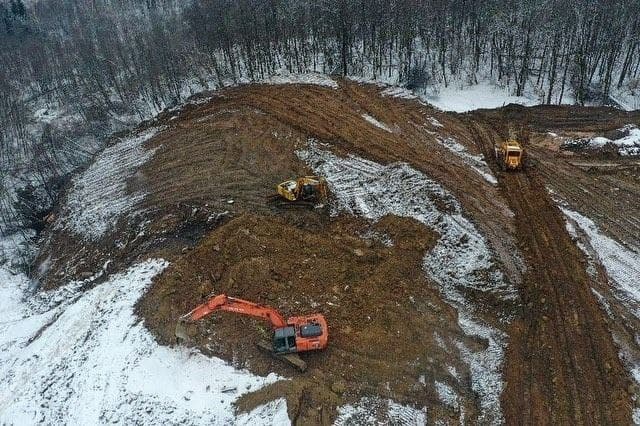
(454, 292)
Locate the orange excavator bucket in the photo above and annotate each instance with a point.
(182, 331)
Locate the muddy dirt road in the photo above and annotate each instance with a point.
(562, 365)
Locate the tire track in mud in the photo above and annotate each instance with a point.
(562, 365)
(598, 196)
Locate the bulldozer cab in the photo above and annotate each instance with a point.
(284, 340)
(307, 191)
(514, 155)
(509, 155)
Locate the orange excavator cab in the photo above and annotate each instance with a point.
(301, 334)
(290, 337)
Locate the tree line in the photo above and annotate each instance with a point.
(109, 59)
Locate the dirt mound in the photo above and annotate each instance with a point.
(382, 312)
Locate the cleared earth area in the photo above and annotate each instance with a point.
(450, 288)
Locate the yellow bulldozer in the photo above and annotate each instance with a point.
(305, 190)
(510, 155)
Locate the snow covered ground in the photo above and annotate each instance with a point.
(81, 357)
(284, 77)
(98, 196)
(475, 162)
(460, 261)
(460, 98)
(369, 411)
(376, 123)
(622, 264)
(627, 144)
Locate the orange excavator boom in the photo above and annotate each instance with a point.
(222, 302)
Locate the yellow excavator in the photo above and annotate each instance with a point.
(303, 191)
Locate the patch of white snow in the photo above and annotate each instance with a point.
(87, 359)
(628, 144)
(398, 92)
(446, 394)
(371, 410)
(377, 123)
(98, 196)
(621, 264)
(482, 95)
(273, 413)
(310, 78)
(476, 162)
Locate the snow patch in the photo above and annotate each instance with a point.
(98, 196)
(434, 122)
(273, 413)
(47, 114)
(621, 264)
(482, 95)
(628, 144)
(87, 359)
(446, 394)
(398, 92)
(310, 78)
(460, 261)
(476, 162)
(371, 410)
(380, 237)
(376, 123)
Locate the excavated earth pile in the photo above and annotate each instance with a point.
(369, 292)
(514, 333)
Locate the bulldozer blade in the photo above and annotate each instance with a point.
(293, 359)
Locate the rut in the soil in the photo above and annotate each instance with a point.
(562, 365)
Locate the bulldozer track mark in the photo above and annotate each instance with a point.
(562, 365)
(560, 332)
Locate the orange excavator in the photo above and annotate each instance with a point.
(290, 337)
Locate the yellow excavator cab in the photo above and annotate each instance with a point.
(304, 188)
